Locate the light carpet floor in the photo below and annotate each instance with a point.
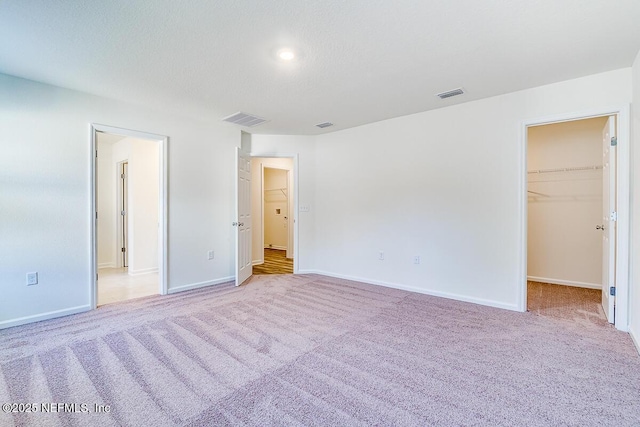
(306, 350)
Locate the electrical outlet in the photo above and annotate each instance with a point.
(210, 254)
(416, 259)
(305, 208)
(381, 256)
(32, 278)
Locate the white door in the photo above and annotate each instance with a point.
(244, 267)
(608, 226)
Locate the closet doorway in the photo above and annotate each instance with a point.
(273, 215)
(571, 197)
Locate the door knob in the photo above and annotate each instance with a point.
(600, 227)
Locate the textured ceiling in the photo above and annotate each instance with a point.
(359, 61)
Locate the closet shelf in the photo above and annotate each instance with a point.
(574, 169)
(283, 190)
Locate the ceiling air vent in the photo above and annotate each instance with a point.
(244, 119)
(324, 125)
(450, 93)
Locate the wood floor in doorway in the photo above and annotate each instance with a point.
(275, 262)
(579, 305)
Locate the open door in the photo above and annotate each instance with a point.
(609, 217)
(244, 266)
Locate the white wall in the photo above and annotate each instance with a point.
(563, 245)
(121, 153)
(275, 209)
(634, 302)
(256, 202)
(144, 184)
(106, 224)
(444, 185)
(45, 215)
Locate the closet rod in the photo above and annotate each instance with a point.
(580, 168)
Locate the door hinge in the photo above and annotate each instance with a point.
(123, 213)
(614, 216)
(614, 141)
(612, 291)
(124, 250)
(123, 176)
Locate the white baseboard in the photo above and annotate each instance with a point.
(44, 316)
(280, 248)
(107, 265)
(480, 301)
(143, 271)
(257, 262)
(565, 282)
(635, 339)
(191, 286)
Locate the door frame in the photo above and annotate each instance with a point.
(163, 234)
(623, 179)
(295, 193)
(120, 232)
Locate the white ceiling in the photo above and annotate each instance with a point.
(359, 61)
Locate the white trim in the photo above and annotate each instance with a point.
(296, 201)
(565, 282)
(44, 316)
(261, 208)
(457, 297)
(163, 203)
(143, 271)
(198, 285)
(623, 204)
(257, 262)
(107, 265)
(634, 339)
(280, 248)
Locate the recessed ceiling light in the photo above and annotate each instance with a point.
(286, 54)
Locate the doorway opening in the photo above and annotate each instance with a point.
(272, 212)
(129, 220)
(282, 201)
(565, 203)
(575, 217)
